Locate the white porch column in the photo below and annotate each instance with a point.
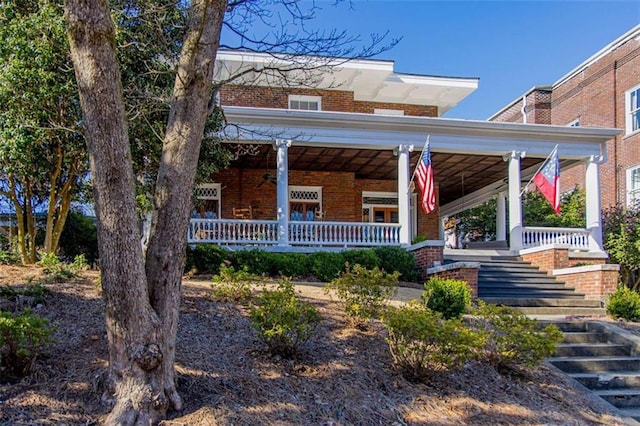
(282, 174)
(515, 201)
(404, 199)
(501, 217)
(592, 201)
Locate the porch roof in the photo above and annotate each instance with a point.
(466, 154)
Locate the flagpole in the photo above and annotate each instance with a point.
(419, 159)
(555, 148)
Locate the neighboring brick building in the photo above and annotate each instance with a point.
(603, 91)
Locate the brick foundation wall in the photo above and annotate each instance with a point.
(426, 257)
(468, 275)
(595, 284)
(548, 260)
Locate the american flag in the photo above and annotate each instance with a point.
(424, 178)
(548, 180)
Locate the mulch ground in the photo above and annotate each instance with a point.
(225, 377)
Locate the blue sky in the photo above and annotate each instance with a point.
(510, 45)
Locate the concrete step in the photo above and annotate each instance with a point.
(568, 326)
(520, 301)
(596, 364)
(526, 284)
(479, 258)
(592, 349)
(581, 337)
(633, 413)
(530, 294)
(613, 380)
(511, 272)
(565, 310)
(621, 398)
(515, 264)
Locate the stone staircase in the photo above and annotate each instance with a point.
(605, 359)
(507, 280)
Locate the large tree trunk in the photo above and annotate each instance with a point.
(190, 106)
(133, 328)
(141, 307)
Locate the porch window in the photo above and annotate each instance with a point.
(305, 102)
(633, 185)
(305, 202)
(207, 206)
(382, 207)
(632, 101)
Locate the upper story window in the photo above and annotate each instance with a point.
(632, 109)
(633, 185)
(305, 102)
(385, 111)
(574, 123)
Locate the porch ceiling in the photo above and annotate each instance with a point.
(457, 174)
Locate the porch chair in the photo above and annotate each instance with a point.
(243, 213)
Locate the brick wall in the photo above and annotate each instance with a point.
(595, 285)
(468, 275)
(332, 100)
(341, 195)
(426, 257)
(548, 260)
(595, 96)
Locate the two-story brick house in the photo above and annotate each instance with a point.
(603, 91)
(325, 160)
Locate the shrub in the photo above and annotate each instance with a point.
(449, 297)
(422, 343)
(290, 264)
(33, 290)
(326, 265)
(394, 259)
(21, 339)
(514, 340)
(56, 270)
(364, 291)
(206, 258)
(283, 321)
(367, 258)
(256, 261)
(233, 286)
(624, 303)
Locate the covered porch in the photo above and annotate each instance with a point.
(322, 180)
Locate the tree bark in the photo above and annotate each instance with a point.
(142, 306)
(133, 328)
(190, 106)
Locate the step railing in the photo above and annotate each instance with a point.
(536, 236)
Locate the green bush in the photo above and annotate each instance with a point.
(367, 258)
(422, 343)
(234, 286)
(206, 258)
(256, 261)
(79, 237)
(35, 290)
(449, 297)
(290, 264)
(283, 321)
(364, 292)
(55, 270)
(514, 340)
(325, 266)
(21, 340)
(624, 303)
(394, 259)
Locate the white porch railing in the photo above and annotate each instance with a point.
(301, 233)
(233, 231)
(343, 234)
(576, 238)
